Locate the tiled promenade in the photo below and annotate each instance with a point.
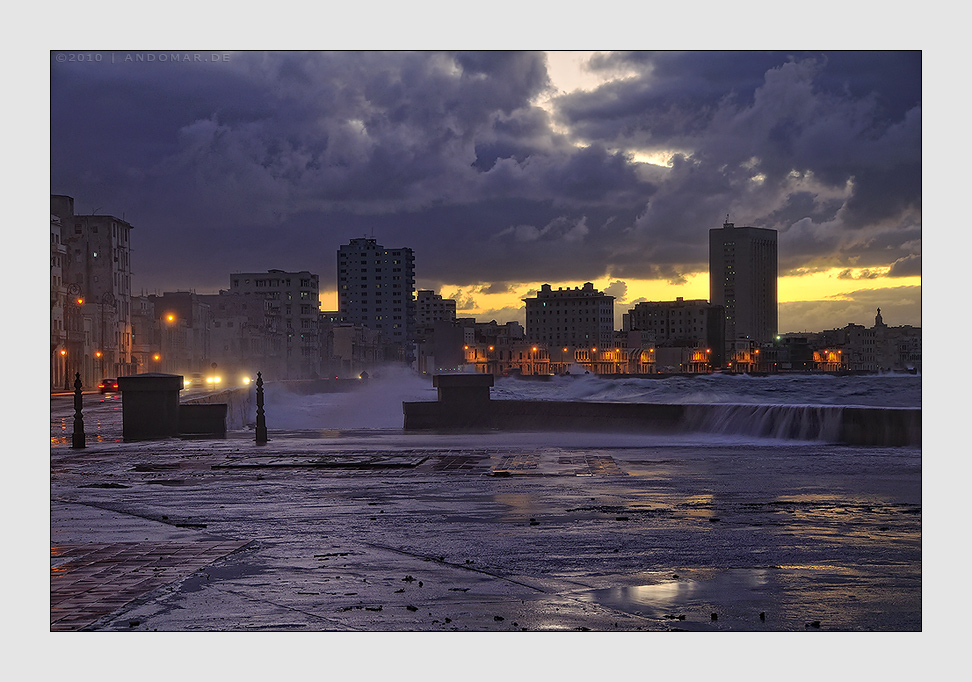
(92, 580)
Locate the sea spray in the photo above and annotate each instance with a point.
(801, 407)
(887, 390)
(375, 402)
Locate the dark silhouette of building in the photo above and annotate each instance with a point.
(742, 280)
(376, 289)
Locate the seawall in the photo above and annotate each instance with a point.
(240, 405)
(851, 425)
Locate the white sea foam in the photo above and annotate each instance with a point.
(782, 406)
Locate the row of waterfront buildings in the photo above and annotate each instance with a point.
(272, 321)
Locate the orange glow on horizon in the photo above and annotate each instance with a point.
(825, 285)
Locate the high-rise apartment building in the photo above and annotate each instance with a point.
(376, 289)
(742, 279)
(431, 308)
(580, 317)
(292, 308)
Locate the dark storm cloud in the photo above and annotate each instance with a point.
(273, 160)
(771, 138)
(908, 266)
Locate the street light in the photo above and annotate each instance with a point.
(67, 385)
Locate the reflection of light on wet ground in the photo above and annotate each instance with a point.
(520, 505)
(655, 594)
(818, 567)
(732, 590)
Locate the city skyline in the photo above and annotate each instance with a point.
(503, 171)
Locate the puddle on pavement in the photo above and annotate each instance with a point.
(689, 601)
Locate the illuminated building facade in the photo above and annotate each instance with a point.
(873, 349)
(581, 317)
(528, 359)
(683, 324)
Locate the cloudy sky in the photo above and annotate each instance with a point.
(504, 170)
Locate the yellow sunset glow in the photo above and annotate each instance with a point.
(825, 285)
(828, 285)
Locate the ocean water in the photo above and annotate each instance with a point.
(746, 408)
(885, 390)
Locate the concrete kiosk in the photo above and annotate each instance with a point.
(150, 405)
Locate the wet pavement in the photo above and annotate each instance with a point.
(379, 530)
